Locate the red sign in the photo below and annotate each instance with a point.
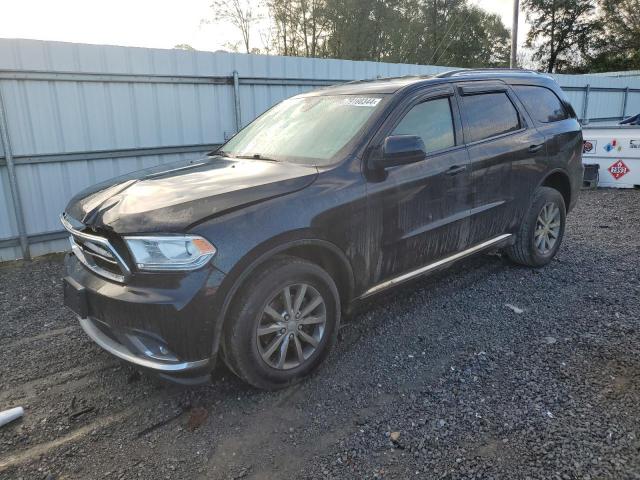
(618, 169)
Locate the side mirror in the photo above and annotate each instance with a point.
(401, 150)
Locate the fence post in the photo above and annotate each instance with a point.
(585, 105)
(13, 181)
(236, 100)
(625, 98)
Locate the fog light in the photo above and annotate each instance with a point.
(149, 347)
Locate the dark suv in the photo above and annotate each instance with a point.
(253, 252)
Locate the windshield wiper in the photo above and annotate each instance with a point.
(256, 156)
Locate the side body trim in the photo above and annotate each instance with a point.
(427, 268)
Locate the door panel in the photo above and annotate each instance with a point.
(498, 137)
(418, 213)
(557, 123)
(497, 183)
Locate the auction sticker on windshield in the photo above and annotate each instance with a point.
(361, 101)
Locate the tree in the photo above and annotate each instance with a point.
(449, 32)
(299, 27)
(361, 29)
(471, 38)
(618, 48)
(183, 46)
(561, 31)
(239, 13)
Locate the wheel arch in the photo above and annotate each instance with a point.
(321, 252)
(559, 180)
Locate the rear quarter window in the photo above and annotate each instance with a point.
(541, 103)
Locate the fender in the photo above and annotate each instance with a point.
(569, 193)
(551, 172)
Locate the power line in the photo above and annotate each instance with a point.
(457, 31)
(444, 37)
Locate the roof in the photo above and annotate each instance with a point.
(392, 85)
(380, 85)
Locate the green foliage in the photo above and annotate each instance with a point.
(618, 46)
(560, 31)
(445, 32)
(575, 36)
(183, 46)
(581, 36)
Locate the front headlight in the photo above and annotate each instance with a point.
(180, 252)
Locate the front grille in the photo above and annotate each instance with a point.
(95, 252)
(102, 257)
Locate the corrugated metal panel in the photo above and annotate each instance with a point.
(606, 104)
(46, 188)
(633, 103)
(72, 115)
(628, 73)
(8, 226)
(7, 218)
(595, 81)
(577, 100)
(58, 117)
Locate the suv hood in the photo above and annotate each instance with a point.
(170, 198)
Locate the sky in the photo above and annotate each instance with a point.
(143, 23)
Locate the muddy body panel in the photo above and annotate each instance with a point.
(370, 226)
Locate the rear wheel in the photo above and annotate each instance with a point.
(282, 324)
(542, 229)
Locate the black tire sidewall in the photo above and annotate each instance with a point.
(241, 334)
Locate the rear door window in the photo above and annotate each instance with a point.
(432, 121)
(541, 103)
(488, 115)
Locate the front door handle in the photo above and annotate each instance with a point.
(454, 170)
(536, 147)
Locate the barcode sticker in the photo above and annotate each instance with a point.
(361, 101)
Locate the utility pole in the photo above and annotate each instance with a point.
(514, 35)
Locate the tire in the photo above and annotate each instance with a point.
(247, 349)
(527, 250)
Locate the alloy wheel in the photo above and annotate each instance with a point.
(547, 230)
(291, 326)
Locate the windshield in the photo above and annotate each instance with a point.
(309, 130)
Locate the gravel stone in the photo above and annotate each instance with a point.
(475, 390)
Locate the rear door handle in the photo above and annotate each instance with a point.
(454, 170)
(536, 147)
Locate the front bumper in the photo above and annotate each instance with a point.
(161, 322)
(143, 358)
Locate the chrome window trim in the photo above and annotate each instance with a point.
(101, 241)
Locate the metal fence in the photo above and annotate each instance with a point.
(72, 115)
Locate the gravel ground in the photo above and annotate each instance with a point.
(486, 370)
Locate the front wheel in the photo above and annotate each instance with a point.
(540, 234)
(282, 324)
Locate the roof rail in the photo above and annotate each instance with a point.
(381, 78)
(472, 71)
(359, 80)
